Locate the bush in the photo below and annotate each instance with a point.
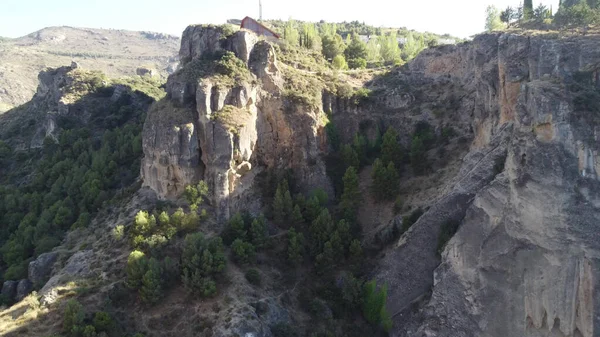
(243, 252)
(253, 277)
(73, 316)
(449, 228)
(374, 306)
(398, 204)
(409, 220)
(137, 265)
(201, 260)
(580, 14)
(151, 288)
(103, 322)
(118, 232)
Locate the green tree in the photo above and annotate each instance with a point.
(236, 228)
(506, 16)
(320, 230)
(351, 197)
(201, 259)
(339, 62)
(418, 157)
(313, 209)
(350, 157)
(151, 289)
(356, 53)
(355, 250)
(412, 46)
(144, 224)
(374, 304)
(103, 322)
(527, 9)
(137, 265)
(195, 194)
(295, 249)
(374, 50)
(73, 316)
(333, 45)
(163, 219)
(243, 252)
(278, 207)
(297, 218)
(390, 51)
(290, 33)
(326, 259)
(258, 231)
(493, 19)
(390, 148)
(309, 38)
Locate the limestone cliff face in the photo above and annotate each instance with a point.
(525, 259)
(237, 129)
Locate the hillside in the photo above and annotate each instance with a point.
(263, 191)
(114, 52)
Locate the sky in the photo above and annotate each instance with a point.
(462, 18)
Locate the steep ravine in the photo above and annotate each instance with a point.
(525, 259)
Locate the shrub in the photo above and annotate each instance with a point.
(243, 252)
(339, 62)
(295, 249)
(386, 181)
(195, 194)
(89, 331)
(73, 316)
(374, 304)
(449, 228)
(409, 220)
(201, 259)
(103, 322)
(151, 289)
(137, 265)
(253, 277)
(398, 204)
(118, 232)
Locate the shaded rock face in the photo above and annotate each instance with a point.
(9, 290)
(41, 268)
(23, 289)
(228, 134)
(525, 259)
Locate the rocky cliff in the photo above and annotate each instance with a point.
(227, 127)
(524, 261)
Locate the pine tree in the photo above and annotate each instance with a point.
(137, 265)
(392, 181)
(337, 246)
(258, 232)
(418, 158)
(295, 250)
(390, 51)
(326, 259)
(527, 9)
(356, 52)
(290, 33)
(378, 175)
(390, 148)
(351, 197)
(237, 227)
(319, 231)
(151, 289)
(297, 218)
(350, 157)
(359, 144)
(313, 209)
(355, 251)
(279, 207)
(288, 205)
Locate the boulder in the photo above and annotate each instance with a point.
(143, 71)
(40, 268)
(9, 290)
(23, 289)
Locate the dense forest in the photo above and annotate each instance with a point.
(47, 191)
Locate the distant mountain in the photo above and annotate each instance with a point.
(115, 52)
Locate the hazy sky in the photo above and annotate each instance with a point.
(459, 17)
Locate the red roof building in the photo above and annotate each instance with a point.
(255, 26)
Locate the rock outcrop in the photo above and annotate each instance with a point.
(24, 287)
(237, 128)
(525, 259)
(40, 268)
(9, 290)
